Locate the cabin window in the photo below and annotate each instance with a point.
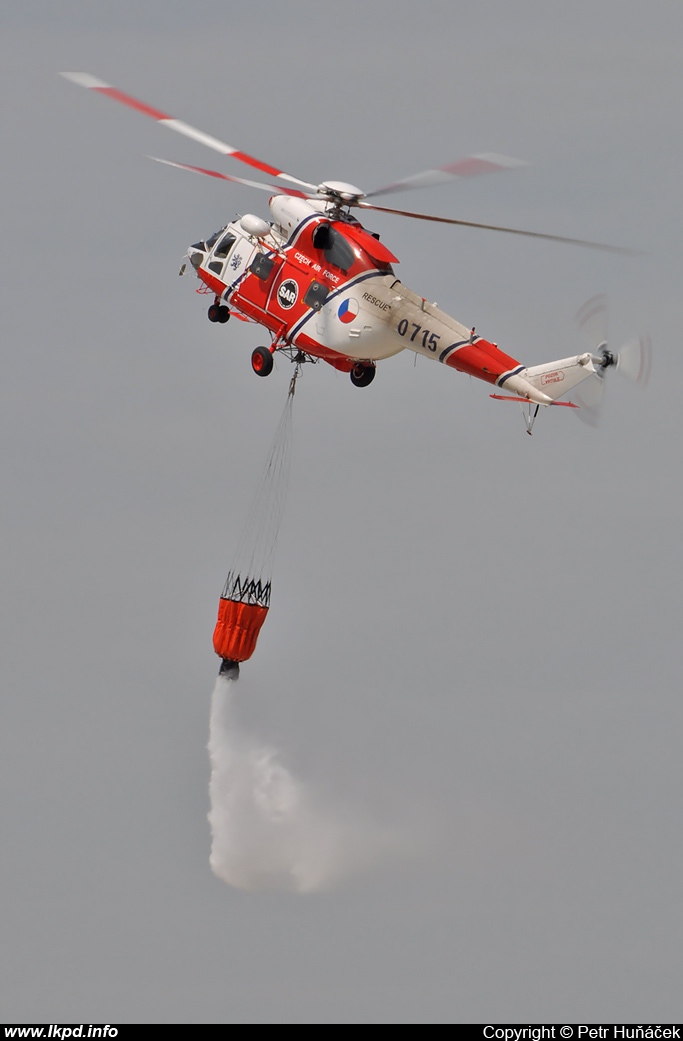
(224, 246)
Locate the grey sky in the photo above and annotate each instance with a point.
(475, 635)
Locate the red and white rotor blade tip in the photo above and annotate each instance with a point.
(471, 166)
(279, 188)
(84, 79)
(483, 162)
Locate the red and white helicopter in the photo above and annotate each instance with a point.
(324, 287)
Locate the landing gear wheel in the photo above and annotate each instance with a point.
(262, 361)
(362, 375)
(218, 313)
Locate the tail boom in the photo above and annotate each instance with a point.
(480, 358)
(556, 378)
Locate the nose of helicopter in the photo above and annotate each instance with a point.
(196, 253)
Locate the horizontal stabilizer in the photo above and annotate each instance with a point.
(525, 401)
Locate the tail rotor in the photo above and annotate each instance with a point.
(633, 359)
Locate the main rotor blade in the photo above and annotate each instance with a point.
(83, 79)
(496, 227)
(471, 166)
(279, 189)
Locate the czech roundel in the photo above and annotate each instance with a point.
(348, 310)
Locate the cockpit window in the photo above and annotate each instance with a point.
(335, 247)
(213, 239)
(224, 246)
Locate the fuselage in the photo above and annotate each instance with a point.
(320, 282)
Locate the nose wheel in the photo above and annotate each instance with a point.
(218, 313)
(362, 375)
(262, 361)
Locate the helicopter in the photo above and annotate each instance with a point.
(324, 287)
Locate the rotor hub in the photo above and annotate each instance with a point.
(607, 358)
(340, 191)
